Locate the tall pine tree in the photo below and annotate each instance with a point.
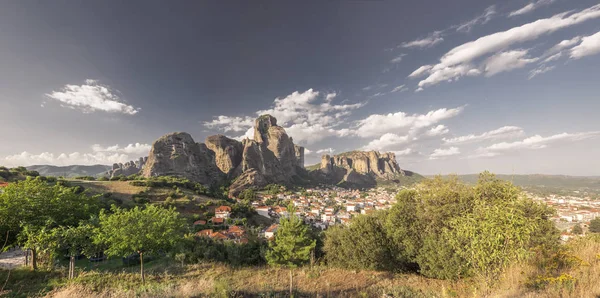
(292, 245)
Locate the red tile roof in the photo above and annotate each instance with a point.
(200, 222)
(3, 184)
(217, 220)
(223, 209)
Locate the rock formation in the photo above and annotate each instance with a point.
(271, 157)
(128, 168)
(228, 153)
(359, 168)
(177, 154)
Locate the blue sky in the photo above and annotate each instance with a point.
(459, 87)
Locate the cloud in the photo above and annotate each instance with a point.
(388, 141)
(307, 116)
(500, 133)
(137, 148)
(91, 97)
(442, 153)
(420, 71)
(437, 131)
(300, 107)
(227, 123)
(397, 59)
(534, 142)
(400, 122)
(485, 17)
(559, 47)
(306, 133)
(400, 88)
(590, 45)
(378, 124)
(326, 151)
(429, 41)
(530, 7)
(458, 62)
(98, 155)
(330, 96)
(307, 151)
(507, 61)
(540, 70)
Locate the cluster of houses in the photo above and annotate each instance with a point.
(570, 210)
(324, 207)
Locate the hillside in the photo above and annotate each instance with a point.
(70, 171)
(559, 184)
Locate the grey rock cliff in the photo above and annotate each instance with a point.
(271, 157)
(128, 168)
(360, 168)
(177, 154)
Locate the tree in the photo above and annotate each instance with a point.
(292, 245)
(595, 225)
(30, 206)
(142, 231)
(577, 230)
(76, 240)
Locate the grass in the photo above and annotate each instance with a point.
(168, 279)
(119, 189)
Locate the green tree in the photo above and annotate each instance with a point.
(577, 230)
(34, 205)
(292, 245)
(364, 244)
(595, 225)
(76, 240)
(142, 231)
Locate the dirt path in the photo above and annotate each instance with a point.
(12, 259)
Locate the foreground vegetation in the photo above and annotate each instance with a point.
(441, 238)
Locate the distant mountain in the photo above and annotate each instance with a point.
(558, 184)
(70, 171)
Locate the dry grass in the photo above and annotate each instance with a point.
(120, 189)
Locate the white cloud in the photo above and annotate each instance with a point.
(64, 159)
(530, 7)
(458, 61)
(249, 134)
(227, 123)
(92, 97)
(305, 133)
(559, 47)
(441, 152)
(534, 142)
(400, 88)
(553, 58)
(388, 141)
(540, 70)
(429, 41)
(500, 133)
(406, 153)
(137, 148)
(438, 131)
(507, 61)
(330, 96)
(378, 124)
(485, 17)
(420, 71)
(298, 108)
(398, 58)
(326, 151)
(590, 45)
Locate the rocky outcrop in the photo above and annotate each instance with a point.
(358, 168)
(271, 157)
(228, 153)
(177, 154)
(128, 168)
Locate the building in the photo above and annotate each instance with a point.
(270, 231)
(223, 212)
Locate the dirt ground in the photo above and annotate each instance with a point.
(12, 259)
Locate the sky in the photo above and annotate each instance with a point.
(449, 86)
